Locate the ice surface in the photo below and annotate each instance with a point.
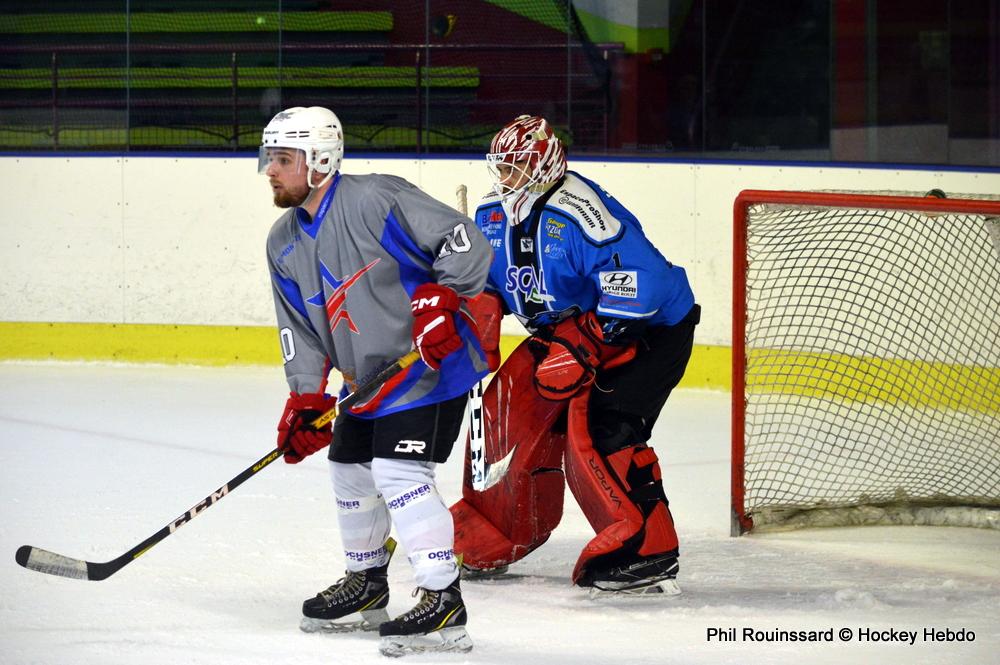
(95, 458)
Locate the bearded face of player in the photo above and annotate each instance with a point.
(286, 173)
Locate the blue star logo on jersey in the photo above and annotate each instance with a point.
(334, 305)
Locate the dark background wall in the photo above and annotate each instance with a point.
(813, 80)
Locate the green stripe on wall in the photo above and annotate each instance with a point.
(219, 136)
(535, 11)
(635, 39)
(38, 78)
(227, 345)
(196, 22)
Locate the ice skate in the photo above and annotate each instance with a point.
(650, 576)
(436, 623)
(364, 593)
(470, 573)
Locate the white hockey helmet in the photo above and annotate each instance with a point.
(315, 131)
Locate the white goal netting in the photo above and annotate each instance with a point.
(870, 365)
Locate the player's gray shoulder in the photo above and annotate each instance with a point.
(371, 196)
(282, 234)
(379, 185)
(576, 199)
(384, 181)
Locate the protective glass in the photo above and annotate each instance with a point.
(289, 160)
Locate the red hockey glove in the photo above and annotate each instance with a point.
(570, 354)
(296, 435)
(434, 334)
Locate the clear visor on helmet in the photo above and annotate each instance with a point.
(510, 171)
(285, 160)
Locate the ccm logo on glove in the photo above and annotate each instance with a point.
(434, 335)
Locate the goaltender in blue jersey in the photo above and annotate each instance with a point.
(612, 326)
(580, 248)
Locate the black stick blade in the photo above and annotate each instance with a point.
(43, 561)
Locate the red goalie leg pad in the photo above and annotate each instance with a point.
(514, 484)
(621, 495)
(480, 543)
(483, 545)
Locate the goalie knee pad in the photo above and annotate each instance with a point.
(621, 494)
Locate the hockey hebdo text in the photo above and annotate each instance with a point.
(857, 635)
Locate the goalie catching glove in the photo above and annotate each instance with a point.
(569, 354)
(297, 438)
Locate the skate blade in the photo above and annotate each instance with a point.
(483, 573)
(370, 620)
(454, 639)
(661, 588)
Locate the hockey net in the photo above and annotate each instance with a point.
(866, 360)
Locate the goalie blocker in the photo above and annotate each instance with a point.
(515, 478)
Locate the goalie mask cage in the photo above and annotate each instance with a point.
(866, 360)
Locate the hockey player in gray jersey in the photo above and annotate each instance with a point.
(363, 269)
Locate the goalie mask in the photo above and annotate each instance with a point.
(526, 158)
(315, 131)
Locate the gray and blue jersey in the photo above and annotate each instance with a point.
(343, 281)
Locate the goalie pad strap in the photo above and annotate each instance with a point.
(565, 369)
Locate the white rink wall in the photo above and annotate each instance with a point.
(180, 240)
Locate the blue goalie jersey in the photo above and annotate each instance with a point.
(580, 248)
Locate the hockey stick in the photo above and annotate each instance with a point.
(44, 561)
(462, 199)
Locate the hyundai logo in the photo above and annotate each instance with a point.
(617, 278)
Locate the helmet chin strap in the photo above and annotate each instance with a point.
(312, 161)
(309, 178)
(314, 189)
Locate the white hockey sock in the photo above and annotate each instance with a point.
(423, 523)
(362, 515)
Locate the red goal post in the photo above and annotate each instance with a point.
(866, 359)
